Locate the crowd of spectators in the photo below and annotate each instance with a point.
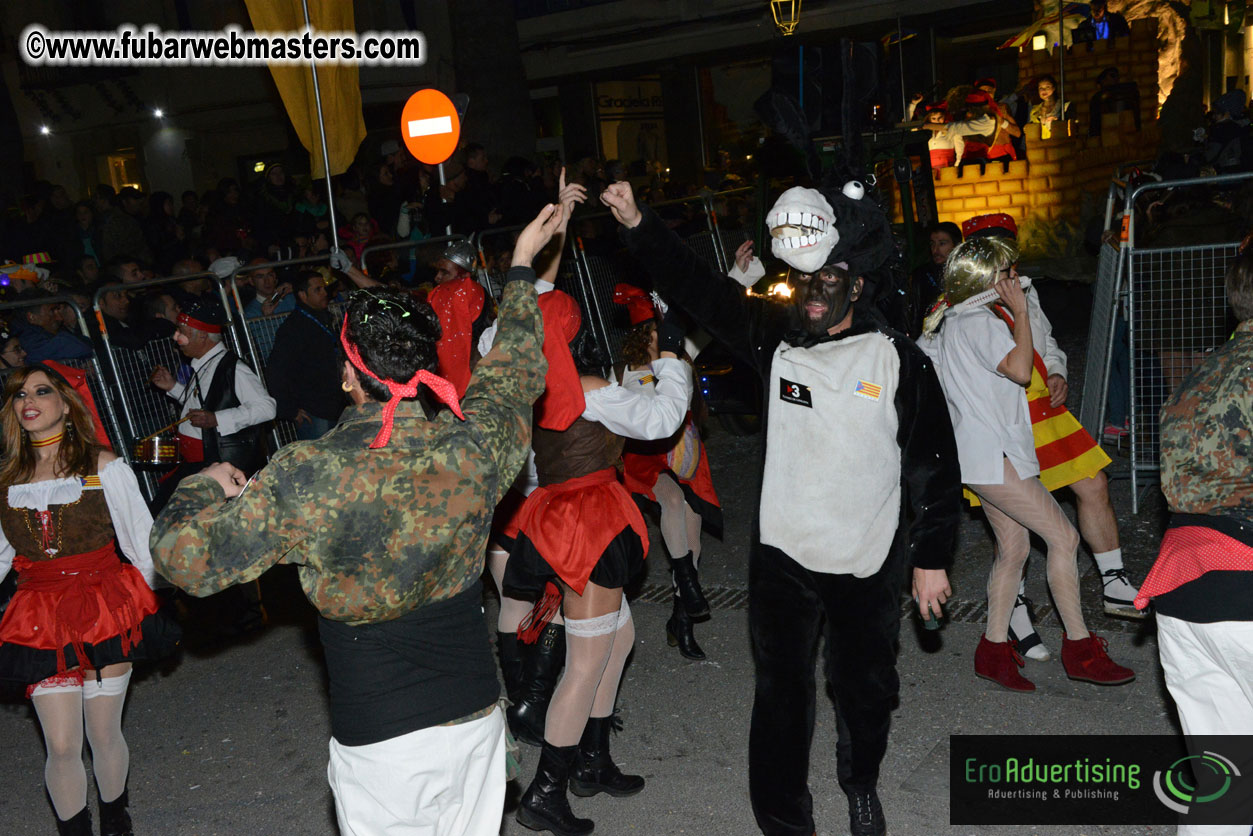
(54, 246)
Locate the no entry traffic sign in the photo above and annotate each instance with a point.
(430, 126)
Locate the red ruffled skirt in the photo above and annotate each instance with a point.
(571, 525)
(81, 611)
(640, 472)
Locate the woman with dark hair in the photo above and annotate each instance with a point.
(81, 616)
(671, 475)
(1048, 108)
(581, 538)
(387, 516)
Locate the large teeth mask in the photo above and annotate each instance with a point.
(802, 229)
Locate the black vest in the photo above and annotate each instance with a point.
(242, 449)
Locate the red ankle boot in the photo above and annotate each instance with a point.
(999, 662)
(1088, 661)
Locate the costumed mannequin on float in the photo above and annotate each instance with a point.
(670, 476)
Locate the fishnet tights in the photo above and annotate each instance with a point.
(1014, 509)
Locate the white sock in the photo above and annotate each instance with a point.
(1115, 586)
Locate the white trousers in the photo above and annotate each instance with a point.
(1209, 671)
(441, 781)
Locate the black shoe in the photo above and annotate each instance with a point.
(594, 770)
(544, 805)
(679, 633)
(80, 825)
(688, 585)
(510, 653)
(114, 820)
(541, 668)
(865, 814)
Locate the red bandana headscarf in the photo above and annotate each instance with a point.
(77, 379)
(458, 304)
(562, 401)
(443, 390)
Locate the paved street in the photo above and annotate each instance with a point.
(232, 739)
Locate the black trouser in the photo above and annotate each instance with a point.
(789, 608)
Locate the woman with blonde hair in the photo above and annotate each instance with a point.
(984, 358)
(81, 615)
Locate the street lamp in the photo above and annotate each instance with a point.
(787, 14)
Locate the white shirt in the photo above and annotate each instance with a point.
(636, 413)
(989, 411)
(255, 404)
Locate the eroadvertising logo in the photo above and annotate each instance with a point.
(1115, 779)
(1176, 786)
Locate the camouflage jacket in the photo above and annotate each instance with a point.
(1207, 434)
(376, 533)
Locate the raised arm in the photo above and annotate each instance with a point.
(644, 415)
(510, 377)
(748, 325)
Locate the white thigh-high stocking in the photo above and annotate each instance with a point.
(623, 643)
(60, 712)
(102, 714)
(589, 647)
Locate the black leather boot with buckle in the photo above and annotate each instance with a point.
(594, 770)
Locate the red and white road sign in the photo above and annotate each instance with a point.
(430, 126)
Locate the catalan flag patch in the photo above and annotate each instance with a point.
(92, 481)
(647, 379)
(866, 389)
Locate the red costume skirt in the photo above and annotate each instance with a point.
(1004, 151)
(83, 611)
(582, 529)
(640, 472)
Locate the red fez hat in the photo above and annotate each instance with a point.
(639, 303)
(997, 225)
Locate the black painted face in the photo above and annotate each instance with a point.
(823, 299)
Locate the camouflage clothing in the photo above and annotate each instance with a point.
(378, 533)
(1207, 452)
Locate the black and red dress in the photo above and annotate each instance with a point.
(78, 606)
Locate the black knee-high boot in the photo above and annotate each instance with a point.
(79, 825)
(507, 648)
(594, 770)
(688, 584)
(544, 805)
(541, 668)
(114, 820)
(679, 632)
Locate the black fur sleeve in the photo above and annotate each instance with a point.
(930, 473)
(750, 327)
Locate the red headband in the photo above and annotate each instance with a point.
(443, 390)
(199, 324)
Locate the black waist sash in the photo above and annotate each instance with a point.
(423, 669)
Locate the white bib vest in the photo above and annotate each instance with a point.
(831, 490)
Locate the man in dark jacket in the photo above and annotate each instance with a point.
(303, 372)
(860, 480)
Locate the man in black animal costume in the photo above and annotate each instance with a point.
(860, 479)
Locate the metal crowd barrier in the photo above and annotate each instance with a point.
(1177, 315)
(425, 251)
(142, 407)
(96, 382)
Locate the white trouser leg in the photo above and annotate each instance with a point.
(441, 781)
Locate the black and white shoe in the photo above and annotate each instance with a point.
(1029, 642)
(1119, 595)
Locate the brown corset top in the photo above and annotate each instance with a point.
(584, 448)
(84, 526)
